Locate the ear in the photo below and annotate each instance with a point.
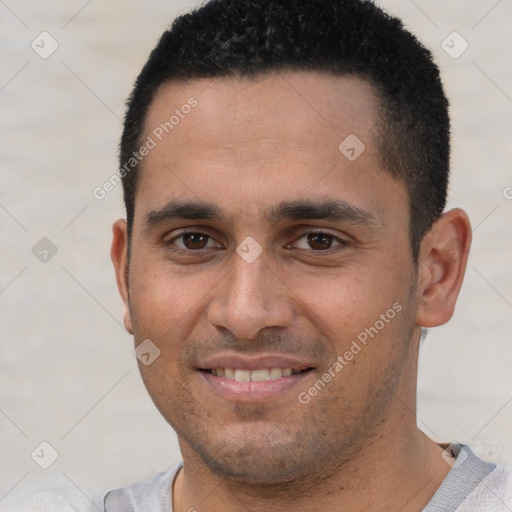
(119, 255)
(441, 267)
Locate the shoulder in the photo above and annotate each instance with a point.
(493, 493)
(63, 500)
(152, 495)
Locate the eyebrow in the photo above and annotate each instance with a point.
(180, 209)
(330, 210)
(333, 209)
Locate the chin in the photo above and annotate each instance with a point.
(262, 468)
(263, 457)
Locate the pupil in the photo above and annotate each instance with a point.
(320, 240)
(194, 240)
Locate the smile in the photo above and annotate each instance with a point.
(260, 375)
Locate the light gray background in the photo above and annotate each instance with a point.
(68, 372)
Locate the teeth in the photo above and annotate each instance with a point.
(260, 375)
(242, 375)
(276, 373)
(254, 375)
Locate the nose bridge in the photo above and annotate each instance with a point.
(250, 299)
(250, 283)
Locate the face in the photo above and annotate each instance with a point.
(260, 248)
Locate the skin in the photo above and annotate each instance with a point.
(247, 146)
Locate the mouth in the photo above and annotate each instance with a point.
(253, 379)
(260, 375)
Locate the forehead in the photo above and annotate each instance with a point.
(308, 105)
(276, 135)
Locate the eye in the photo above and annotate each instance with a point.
(318, 241)
(192, 241)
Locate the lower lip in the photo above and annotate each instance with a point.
(254, 391)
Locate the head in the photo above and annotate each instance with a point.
(290, 216)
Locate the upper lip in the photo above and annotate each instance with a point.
(253, 362)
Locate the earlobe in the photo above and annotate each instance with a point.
(441, 267)
(119, 255)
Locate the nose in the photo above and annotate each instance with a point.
(251, 298)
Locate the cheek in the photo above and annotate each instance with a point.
(154, 304)
(167, 305)
(346, 302)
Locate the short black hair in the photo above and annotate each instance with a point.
(247, 38)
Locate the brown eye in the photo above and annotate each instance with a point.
(194, 241)
(191, 241)
(320, 241)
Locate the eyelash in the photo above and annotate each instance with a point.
(169, 243)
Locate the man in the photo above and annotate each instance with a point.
(285, 167)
